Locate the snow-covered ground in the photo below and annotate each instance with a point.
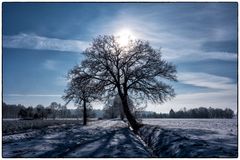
(106, 138)
(14, 126)
(191, 137)
(113, 138)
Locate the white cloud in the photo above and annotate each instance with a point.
(223, 99)
(31, 41)
(194, 54)
(50, 64)
(206, 80)
(176, 43)
(222, 93)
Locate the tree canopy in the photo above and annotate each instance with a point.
(135, 70)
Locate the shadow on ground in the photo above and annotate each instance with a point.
(187, 143)
(105, 139)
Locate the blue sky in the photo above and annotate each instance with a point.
(42, 41)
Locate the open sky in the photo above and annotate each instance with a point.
(43, 41)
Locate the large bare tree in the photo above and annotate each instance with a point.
(135, 69)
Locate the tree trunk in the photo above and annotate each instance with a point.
(84, 113)
(121, 112)
(131, 119)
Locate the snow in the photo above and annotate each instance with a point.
(113, 138)
(106, 138)
(191, 137)
(15, 126)
(219, 125)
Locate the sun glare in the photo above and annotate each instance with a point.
(124, 36)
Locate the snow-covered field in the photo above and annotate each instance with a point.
(13, 126)
(106, 138)
(191, 137)
(113, 138)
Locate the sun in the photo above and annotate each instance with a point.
(124, 36)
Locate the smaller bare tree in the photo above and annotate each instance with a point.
(54, 108)
(80, 90)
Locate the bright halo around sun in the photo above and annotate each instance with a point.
(124, 36)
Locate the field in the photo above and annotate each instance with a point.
(191, 137)
(113, 138)
(18, 126)
(106, 138)
(220, 127)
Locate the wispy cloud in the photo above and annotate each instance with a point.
(31, 41)
(223, 99)
(50, 65)
(196, 54)
(206, 80)
(182, 42)
(180, 47)
(222, 93)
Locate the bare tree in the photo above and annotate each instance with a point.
(40, 111)
(80, 90)
(135, 70)
(54, 108)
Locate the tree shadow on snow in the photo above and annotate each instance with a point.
(188, 142)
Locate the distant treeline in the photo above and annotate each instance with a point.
(54, 110)
(201, 112)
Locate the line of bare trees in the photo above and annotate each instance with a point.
(40, 112)
(201, 112)
(53, 111)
